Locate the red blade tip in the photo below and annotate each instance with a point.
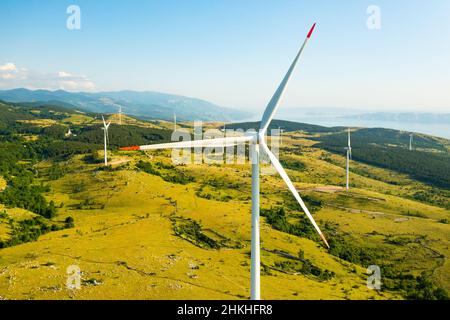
(311, 31)
(133, 148)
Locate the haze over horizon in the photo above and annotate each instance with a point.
(235, 53)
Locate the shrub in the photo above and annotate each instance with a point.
(173, 176)
(28, 230)
(192, 231)
(276, 217)
(69, 222)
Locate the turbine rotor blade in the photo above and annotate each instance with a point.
(104, 122)
(292, 188)
(274, 102)
(349, 137)
(219, 142)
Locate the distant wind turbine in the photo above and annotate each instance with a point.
(410, 141)
(349, 157)
(174, 122)
(120, 115)
(257, 141)
(280, 132)
(106, 138)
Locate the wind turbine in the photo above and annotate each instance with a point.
(106, 138)
(257, 142)
(280, 132)
(120, 115)
(349, 156)
(174, 122)
(410, 141)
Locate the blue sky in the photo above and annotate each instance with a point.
(235, 52)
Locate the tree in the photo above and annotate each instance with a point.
(69, 222)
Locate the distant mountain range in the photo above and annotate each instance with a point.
(411, 117)
(148, 105)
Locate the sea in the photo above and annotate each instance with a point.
(438, 130)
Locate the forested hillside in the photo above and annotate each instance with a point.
(30, 134)
(428, 162)
(286, 126)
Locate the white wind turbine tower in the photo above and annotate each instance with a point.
(349, 156)
(120, 115)
(257, 142)
(410, 141)
(106, 138)
(174, 122)
(280, 132)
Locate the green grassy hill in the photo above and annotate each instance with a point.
(146, 229)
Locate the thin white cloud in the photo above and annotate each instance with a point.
(8, 67)
(10, 72)
(12, 76)
(63, 74)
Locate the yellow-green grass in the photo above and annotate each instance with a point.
(29, 137)
(122, 246)
(77, 119)
(2, 184)
(17, 213)
(13, 213)
(40, 122)
(125, 240)
(126, 120)
(380, 180)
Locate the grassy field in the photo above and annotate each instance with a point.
(130, 250)
(2, 184)
(146, 229)
(125, 244)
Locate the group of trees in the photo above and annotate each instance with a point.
(17, 159)
(22, 195)
(52, 141)
(21, 190)
(167, 172)
(278, 220)
(121, 135)
(345, 247)
(305, 267)
(27, 230)
(287, 126)
(18, 156)
(420, 287)
(191, 230)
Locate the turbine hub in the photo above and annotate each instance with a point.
(255, 137)
(260, 137)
